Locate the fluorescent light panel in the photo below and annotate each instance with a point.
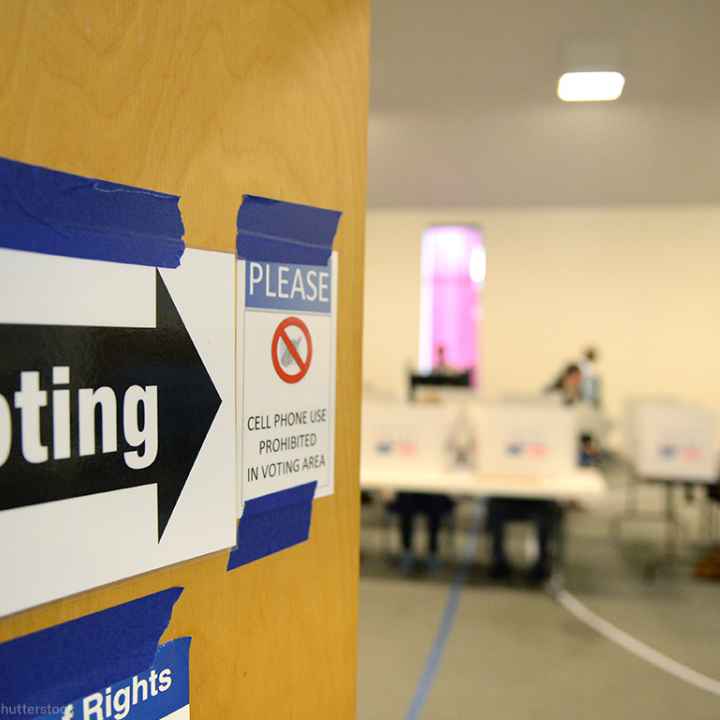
(594, 86)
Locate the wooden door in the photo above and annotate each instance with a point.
(210, 99)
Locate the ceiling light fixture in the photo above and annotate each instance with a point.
(591, 70)
(590, 86)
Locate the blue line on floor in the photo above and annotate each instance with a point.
(433, 662)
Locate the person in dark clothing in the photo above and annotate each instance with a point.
(568, 385)
(434, 508)
(544, 514)
(569, 388)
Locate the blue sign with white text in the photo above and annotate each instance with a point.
(285, 286)
(152, 694)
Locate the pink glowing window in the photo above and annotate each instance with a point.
(453, 274)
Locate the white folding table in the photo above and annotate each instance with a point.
(585, 485)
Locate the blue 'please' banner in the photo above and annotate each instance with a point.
(286, 286)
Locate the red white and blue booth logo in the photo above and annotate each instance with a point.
(526, 449)
(689, 453)
(388, 447)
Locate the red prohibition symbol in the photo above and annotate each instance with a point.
(281, 335)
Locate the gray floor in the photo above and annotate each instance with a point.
(514, 653)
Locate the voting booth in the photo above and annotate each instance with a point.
(504, 438)
(526, 438)
(153, 153)
(400, 437)
(671, 440)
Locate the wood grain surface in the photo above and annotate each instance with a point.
(211, 99)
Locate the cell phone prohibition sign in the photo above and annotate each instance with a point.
(303, 364)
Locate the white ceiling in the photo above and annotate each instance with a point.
(464, 111)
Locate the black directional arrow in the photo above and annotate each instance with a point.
(164, 356)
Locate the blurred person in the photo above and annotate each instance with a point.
(441, 366)
(568, 388)
(544, 514)
(591, 383)
(568, 385)
(408, 506)
(433, 506)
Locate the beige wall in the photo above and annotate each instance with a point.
(641, 283)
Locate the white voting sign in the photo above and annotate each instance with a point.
(286, 356)
(402, 437)
(668, 440)
(117, 435)
(532, 438)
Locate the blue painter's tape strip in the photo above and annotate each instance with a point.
(151, 693)
(272, 523)
(276, 231)
(67, 661)
(58, 213)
